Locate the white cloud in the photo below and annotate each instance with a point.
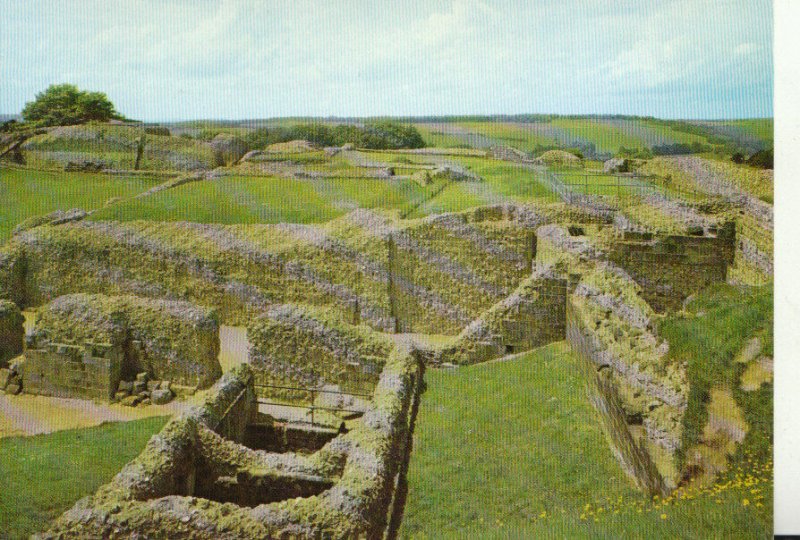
(180, 59)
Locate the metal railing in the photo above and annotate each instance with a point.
(312, 393)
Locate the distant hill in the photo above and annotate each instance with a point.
(594, 136)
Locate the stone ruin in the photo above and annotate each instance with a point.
(243, 474)
(122, 348)
(223, 471)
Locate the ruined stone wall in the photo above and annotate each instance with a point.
(183, 483)
(11, 331)
(170, 340)
(230, 404)
(12, 274)
(90, 371)
(630, 452)
(671, 269)
(534, 315)
(302, 346)
(391, 274)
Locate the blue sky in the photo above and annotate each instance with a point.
(173, 59)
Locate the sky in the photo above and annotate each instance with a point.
(160, 60)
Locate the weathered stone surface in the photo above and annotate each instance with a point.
(615, 165)
(131, 401)
(157, 339)
(11, 331)
(160, 397)
(13, 389)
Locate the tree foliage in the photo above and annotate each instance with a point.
(762, 159)
(66, 104)
(380, 135)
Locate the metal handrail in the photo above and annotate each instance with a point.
(311, 406)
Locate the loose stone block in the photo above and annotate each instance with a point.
(160, 397)
(131, 401)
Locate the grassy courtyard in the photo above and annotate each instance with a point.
(515, 450)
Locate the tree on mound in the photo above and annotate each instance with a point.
(66, 104)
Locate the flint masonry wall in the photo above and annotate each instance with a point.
(293, 345)
(391, 274)
(83, 345)
(533, 316)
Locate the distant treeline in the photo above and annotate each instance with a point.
(378, 135)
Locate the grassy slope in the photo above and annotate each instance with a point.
(513, 135)
(43, 476)
(269, 200)
(436, 138)
(708, 337)
(761, 128)
(26, 193)
(495, 443)
(515, 450)
(243, 199)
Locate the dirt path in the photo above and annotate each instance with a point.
(233, 346)
(33, 415)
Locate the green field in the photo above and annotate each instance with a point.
(251, 199)
(27, 193)
(514, 450)
(42, 476)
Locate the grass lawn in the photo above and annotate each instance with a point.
(243, 199)
(515, 450)
(42, 476)
(27, 193)
(510, 180)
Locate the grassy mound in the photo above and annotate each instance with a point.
(560, 158)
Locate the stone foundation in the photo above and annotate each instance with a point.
(194, 480)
